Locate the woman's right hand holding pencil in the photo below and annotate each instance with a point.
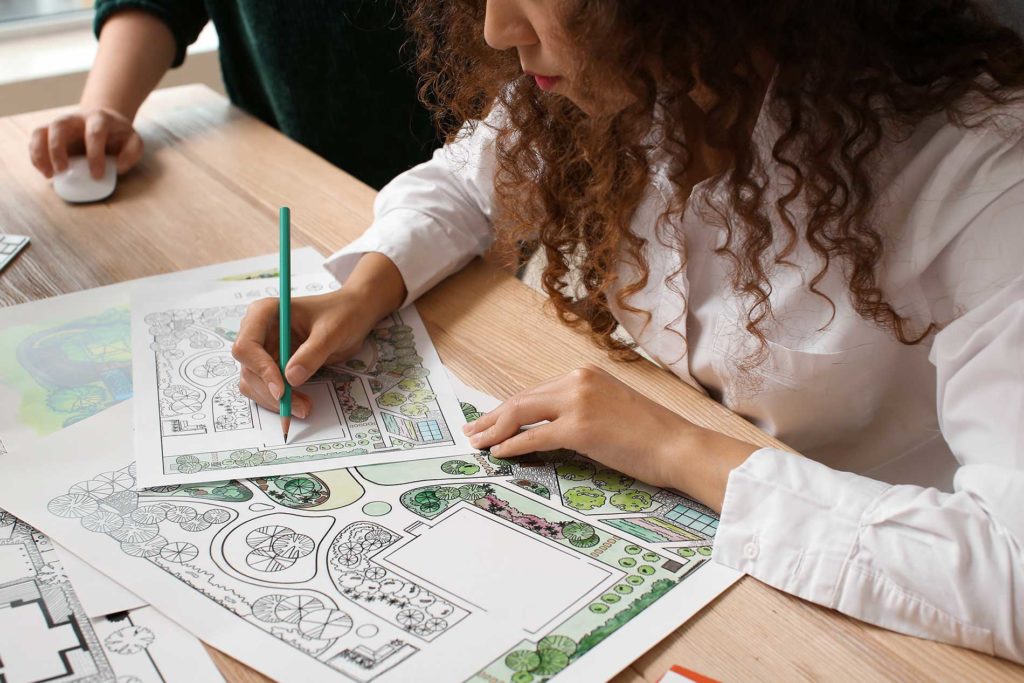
(326, 329)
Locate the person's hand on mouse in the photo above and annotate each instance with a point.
(326, 329)
(96, 132)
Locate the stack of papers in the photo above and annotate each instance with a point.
(374, 546)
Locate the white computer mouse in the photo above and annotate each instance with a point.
(76, 184)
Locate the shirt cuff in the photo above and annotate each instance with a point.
(415, 245)
(792, 522)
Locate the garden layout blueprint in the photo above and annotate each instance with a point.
(68, 357)
(392, 401)
(450, 568)
(45, 635)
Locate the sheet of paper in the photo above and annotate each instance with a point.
(68, 357)
(470, 568)
(46, 635)
(392, 401)
(99, 594)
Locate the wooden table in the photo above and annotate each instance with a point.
(211, 174)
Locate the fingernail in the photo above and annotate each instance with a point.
(475, 441)
(495, 451)
(296, 374)
(275, 390)
(467, 428)
(301, 411)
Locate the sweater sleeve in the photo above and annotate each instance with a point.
(185, 18)
(434, 218)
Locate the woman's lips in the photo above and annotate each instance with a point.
(545, 82)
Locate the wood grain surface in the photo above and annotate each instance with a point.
(208, 190)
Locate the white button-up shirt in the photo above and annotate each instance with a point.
(908, 509)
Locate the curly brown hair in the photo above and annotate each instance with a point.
(851, 77)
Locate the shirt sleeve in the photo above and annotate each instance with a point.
(434, 218)
(943, 566)
(185, 18)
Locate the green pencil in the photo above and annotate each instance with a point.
(285, 311)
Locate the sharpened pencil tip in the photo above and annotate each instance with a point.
(286, 423)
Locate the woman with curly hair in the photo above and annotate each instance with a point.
(813, 211)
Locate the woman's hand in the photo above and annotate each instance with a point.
(591, 412)
(97, 132)
(327, 329)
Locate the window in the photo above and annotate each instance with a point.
(694, 519)
(25, 10)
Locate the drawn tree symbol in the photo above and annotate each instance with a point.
(179, 553)
(181, 513)
(447, 493)
(632, 500)
(73, 505)
(580, 535)
(293, 608)
(375, 573)
(704, 550)
(195, 525)
(103, 521)
(584, 498)
(135, 532)
(411, 385)
(409, 617)
(392, 399)
(181, 399)
(422, 395)
(575, 470)
(217, 516)
(300, 486)
(265, 608)
(293, 546)
(129, 640)
(460, 467)
(472, 492)
(551, 662)
(522, 660)
(149, 514)
(610, 480)
(96, 488)
(121, 481)
(150, 548)
(188, 464)
(416, 372)
(266, 535)
(561, 643)
(360, 414)
(414, 409)
(327, 624)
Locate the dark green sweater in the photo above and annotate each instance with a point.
(326, 74)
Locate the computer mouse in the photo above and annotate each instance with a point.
(77, 186)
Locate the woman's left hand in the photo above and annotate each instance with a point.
(591, 412)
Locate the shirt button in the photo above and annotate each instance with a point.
(750, 550)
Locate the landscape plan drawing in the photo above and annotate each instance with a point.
(46, 635)
(461, 568)
(68, 357)
(392, 401)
